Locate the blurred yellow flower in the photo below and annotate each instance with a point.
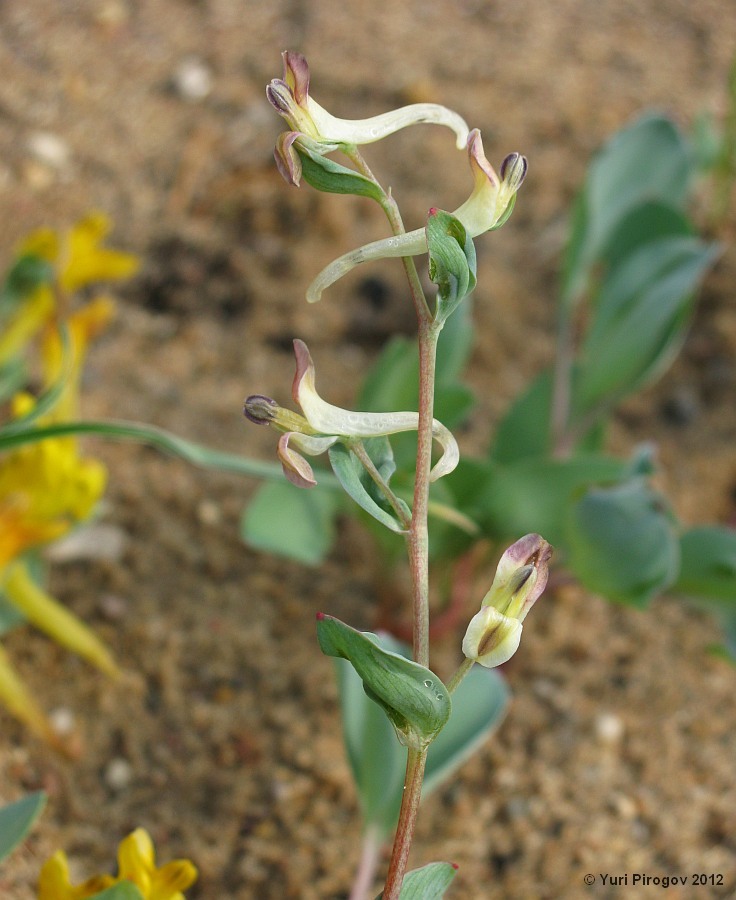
(78, 257)
(48, 487)
(136, 864)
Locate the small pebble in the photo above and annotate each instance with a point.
(62, 721)
(609, 728)
(118, 774)
(49, 149)
(193, 79)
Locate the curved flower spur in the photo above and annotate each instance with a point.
(314, 128)
(488, 206)
(323, 425)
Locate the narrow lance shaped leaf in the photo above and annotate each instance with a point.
(452, 261)
(326, 175)
(413, 697)
(358, 484)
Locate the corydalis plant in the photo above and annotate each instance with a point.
(414, 698)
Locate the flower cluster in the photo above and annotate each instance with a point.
(47, 486)
(136, 865)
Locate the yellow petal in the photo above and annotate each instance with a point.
(27, 320)
(17, 699)
(86, 261)
(172, 879)
(44, 243)
(55, 620)
(54, 883)
(136, 860)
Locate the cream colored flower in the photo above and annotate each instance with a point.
(311, 124)
(324, 425)
(487, 207)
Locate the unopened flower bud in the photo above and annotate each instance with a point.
(260, 409)
(494, 633)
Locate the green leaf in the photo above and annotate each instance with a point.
(292, 522)
(647, 161)
(708, 564)
(378, 762)
(452, 262)
(123, 890)
(26, 274)
(535, 495)
(428, 883)
(478, 707)
(16, 820)
(326, 175)
(622, 543)
(523, 432)
(414, 698)
(10, 616)
(647, 222)
(359, 485)
(640, 319)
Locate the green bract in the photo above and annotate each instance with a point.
(413, 697)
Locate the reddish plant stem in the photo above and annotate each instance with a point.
(417, 538)
(407, 821)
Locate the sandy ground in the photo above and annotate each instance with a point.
(618, 752)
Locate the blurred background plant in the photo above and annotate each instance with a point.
(48, 487)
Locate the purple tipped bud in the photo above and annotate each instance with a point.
(280, 96)
(513, 170)
(260, 409)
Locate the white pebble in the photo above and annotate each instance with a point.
(609, 728)
(62, 720)
(193, 79)
(49, 149)
(118, 774)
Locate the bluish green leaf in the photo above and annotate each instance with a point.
(378, 761)
(413, 697)
(452, 262)
(478, 707)
(428, 883)
(16, 820)
(292, 522)
(524, 431)
(123, 890)
(708, 564)
(535, 495)
(647, 222)
(646, 161)
(10, 616)
(358, 484)
(622, 543)
(326, 175)
(640, 319)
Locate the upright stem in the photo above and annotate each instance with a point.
(407, 821)
(417, 538)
